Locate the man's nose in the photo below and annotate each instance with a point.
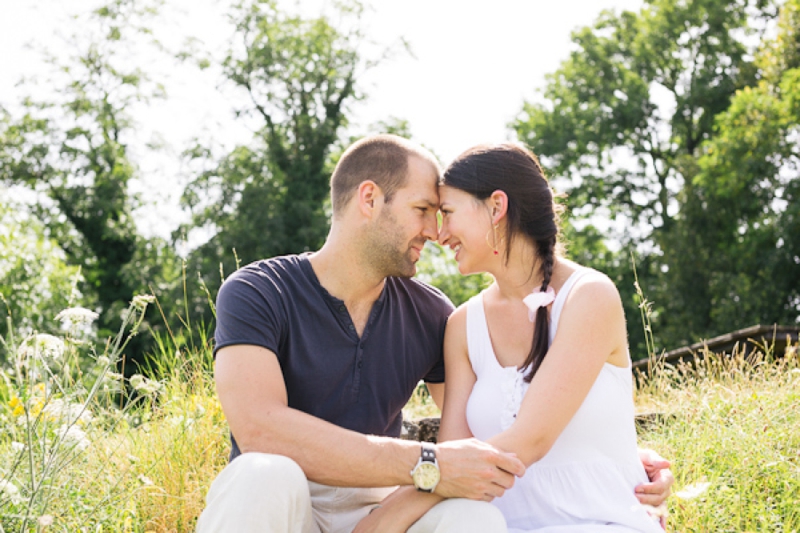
(431, 231)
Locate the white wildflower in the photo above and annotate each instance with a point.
(141, 301)
(145, 480)
(74, 436)
(144, 385)
(10, 491)
(136, 381)
(67, 413)
(45, 520)
(114, 376)
(17, 447)
(77, 316)
(103, 361)
(42, 346)
(693, 491)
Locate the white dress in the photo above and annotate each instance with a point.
(586, 481)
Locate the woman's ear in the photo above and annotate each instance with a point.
(498, 205)
(368, 196)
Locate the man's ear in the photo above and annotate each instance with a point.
(498, 205)
(369, 197)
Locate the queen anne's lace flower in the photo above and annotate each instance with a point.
(74, 436)
(59, 410)
(77, 316)
(144, 385)
(41, 346)
(10, 491)
(141, 301)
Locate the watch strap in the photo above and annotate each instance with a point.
(428, 454)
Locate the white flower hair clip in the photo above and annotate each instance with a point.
(538, 299)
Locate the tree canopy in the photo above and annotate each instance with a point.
(269, 197)
(672, 120)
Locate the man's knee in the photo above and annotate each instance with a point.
(258, 492)
(253, 478)
(267, 469)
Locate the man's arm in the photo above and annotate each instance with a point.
(253, 396)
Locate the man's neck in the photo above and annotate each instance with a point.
(346, 276)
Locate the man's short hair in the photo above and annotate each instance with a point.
(382, 159)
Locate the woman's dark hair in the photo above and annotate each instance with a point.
(531, 213)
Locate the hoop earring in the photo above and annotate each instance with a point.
(493, 244)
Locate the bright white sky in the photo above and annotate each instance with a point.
(475, 63)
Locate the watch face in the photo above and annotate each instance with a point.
(426, 476)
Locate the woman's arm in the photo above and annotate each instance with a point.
(591, 331)
(459, 378)
(398, 511)
(406, 505)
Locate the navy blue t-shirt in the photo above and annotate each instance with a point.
(356, 383)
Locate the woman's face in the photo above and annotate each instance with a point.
(466, 228)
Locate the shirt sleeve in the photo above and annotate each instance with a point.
(249, 311)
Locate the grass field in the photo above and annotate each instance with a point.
(75, 457)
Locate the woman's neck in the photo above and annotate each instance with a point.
(521, 274)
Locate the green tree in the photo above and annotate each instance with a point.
(37, 282)
(628, 120)
(749, 171)
(268, 198)
(73, 150)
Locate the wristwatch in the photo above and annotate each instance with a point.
(426, 472)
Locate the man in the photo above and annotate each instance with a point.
(317, 354)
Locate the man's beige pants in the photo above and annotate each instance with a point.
(265, 493)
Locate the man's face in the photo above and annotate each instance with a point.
(405, 223)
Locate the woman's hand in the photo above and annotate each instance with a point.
(377, 521)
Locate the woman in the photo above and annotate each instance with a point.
(537, 364)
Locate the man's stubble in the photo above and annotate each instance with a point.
(386, 251)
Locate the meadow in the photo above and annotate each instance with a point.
(85, 449)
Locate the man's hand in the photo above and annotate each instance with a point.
(655, 493)
(660, 486)
(474, 469)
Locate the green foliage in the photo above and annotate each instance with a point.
(61, 426)
(73, 152)
(269, 198)
(732, 428)
(669, 120)
(437, 267)
(36, 280)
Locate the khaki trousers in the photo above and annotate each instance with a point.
(266, 493)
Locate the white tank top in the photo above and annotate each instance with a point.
(586, 480)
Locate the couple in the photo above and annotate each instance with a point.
(317, 354)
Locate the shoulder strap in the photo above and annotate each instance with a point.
(561, 297)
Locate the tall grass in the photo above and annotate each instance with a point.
(84, 449)
(731, 425)
(154, 445)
